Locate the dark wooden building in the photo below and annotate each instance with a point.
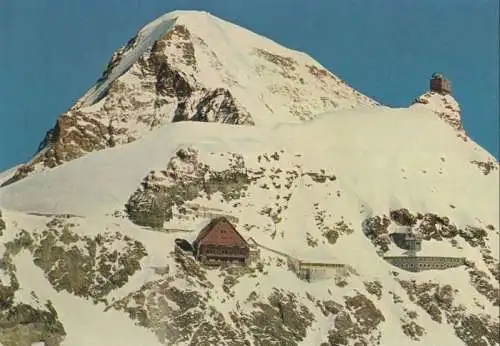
(440, 84)
(220, 242)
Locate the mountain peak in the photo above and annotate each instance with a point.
(192, 66)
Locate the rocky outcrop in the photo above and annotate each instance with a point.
(480, 280)
(164, 193)
(216, 105)
(376, 228)
(87, 267)
(374, 288)
(330, 230)
(184, 179)
(355, 323)
(429, 226)
(439, 302)
(410, 326)
(282, 319)
(22, 323)
(492, 263)
(2, 224)
(190, 315)
(486, 167)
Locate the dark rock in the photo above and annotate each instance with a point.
(2, 224)
(403, 217)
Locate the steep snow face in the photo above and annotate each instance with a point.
(193, 66)
(301, 190)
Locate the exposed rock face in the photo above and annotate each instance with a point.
(374, 287)
(187, 177)
(356, 323)
(89, 271)
(186, 315)
(486, 167)
(330, 229)
(438, 301)
(177, 76)
(2, 224)
(376, 229)
(410, 327)
(430, 226)
(481, 282)
(280, 320)
(21, 323)
(184, 179)
(216, 105)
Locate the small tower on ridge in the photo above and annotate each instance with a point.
(440, 84)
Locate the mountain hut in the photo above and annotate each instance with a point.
(220, 242)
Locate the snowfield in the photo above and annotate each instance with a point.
(376, 153)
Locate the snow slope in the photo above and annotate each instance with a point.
(387, 143)
(380, 159)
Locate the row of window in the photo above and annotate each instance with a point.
(424, 265)
(218, 260)
(224, 250)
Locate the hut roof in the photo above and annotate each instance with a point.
(203, 233)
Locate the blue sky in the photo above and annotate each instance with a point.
(53, 51)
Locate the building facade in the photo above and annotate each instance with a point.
(440, 84)
(220, 242)
(421, 263)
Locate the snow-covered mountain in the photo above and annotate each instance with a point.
(192, 66)
(306, 167)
